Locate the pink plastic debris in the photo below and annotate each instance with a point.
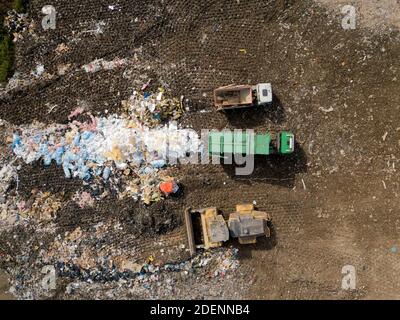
(83, 200)
(76, 112)
(93, 66)
(87, 126)
(146, 85)
(21, 206)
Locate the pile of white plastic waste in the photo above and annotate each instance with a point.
(105, 145)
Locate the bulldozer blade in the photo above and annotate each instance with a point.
(190, 233)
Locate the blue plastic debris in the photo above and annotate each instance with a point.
(138, 158)
(87, 135)
(158, 163)
(37, 138)
(98, 171)
(106, 173)
(157, 116)
(77, 139)
(84, 173)
(44, 152)
(67, 167)
(16, 141)
(69, 157)
(58, 154)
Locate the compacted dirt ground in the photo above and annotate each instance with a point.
(335, 202)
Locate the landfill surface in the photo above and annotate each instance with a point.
(84, 122)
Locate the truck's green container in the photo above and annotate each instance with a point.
(242, 142)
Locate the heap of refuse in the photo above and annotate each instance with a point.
(152, 109)
(16, 23)
(89, 270)
(105, 147)
(41, 206)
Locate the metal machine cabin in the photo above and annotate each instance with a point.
(242, 96)
(247, 224)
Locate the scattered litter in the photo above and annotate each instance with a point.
(169, 187)
(41, 206)
(50, 108)
(83, 199)
(384, 136)
(145, 86)
(93, 66)
(17, 23)
(63, 68)
(116, 63)
(99, 64)
(98, 29)
(152, 109)
(76, 112)
(219, 262)
(62, 48)
(304, 185)
(38, 71)
(330, 109)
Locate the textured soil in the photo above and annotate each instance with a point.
(335, 202)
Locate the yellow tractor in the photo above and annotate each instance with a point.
(207, 228)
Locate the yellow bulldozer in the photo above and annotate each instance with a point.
(207, 228)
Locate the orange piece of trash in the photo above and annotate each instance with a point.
(167, 187)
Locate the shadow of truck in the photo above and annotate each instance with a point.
(272, 169)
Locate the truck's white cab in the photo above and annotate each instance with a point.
(264, 93)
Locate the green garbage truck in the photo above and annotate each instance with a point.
(248, 143)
